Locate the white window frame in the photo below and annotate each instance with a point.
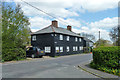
(68, 38)
(68, 48)
(80, 39)
(52, 34)
(48, 49)
(76, 39)
(61, 49)
(55, 34)
(34, 38)
(61, 37)
(80, 48)
(74, 48)
(57, 49)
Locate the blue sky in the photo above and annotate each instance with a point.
(88, 16)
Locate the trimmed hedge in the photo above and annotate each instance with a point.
(107, 57)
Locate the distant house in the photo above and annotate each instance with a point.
(88, 42)
(57, 41)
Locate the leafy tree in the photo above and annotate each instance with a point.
(15, 32)
(114, 33)
(0, 30)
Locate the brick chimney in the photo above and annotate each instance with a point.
(55, 23)
(69, 28)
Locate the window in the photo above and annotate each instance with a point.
(61, 37)
(76, 39)
(68, 38)
(81, 47)
(68, 48)
(48, 49)
(74, 48)
(55, 34)
(61, 49)
(52, 34)
(80, 39)
(57, 49)
(34, 38)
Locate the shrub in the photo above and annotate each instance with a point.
(106, 59)
(107, 56)
(13, 54)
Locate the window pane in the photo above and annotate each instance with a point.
(68, 38)
(61, 37)
(76, 39)
(34, 38)
(57, 49)
(61, 49)
(76, 48)
(80, 39)
(73, 48)
(48, 49)
(68, 49)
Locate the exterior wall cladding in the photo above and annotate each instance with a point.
(52, 40)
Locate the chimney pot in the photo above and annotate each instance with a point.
(69, 28)
(55, 23)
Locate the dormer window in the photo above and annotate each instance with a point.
(61, 37)
(68, 37)
(34, 38)
(76, 39)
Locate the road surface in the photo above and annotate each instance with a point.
(60, 67)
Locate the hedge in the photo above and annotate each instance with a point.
(107, 57)
(10, 54)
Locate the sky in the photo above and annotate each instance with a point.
(88, 16)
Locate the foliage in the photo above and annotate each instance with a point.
(103, 42)
(106, 59)
(0, 31)
(105, 69)
(114, 35)
(15, 32)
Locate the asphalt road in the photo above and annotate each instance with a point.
(61, 67)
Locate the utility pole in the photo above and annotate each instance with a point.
(118, 35)
(99, 37)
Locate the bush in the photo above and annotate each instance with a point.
(10, 54)
(107, 56)
(106, 59)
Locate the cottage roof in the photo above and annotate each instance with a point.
(52, 29)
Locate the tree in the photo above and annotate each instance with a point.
(15, 32)
(114, 35)
(89, 36)
(0, 30)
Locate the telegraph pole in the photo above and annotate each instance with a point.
(99, 37)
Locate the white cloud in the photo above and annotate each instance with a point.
(106, 23)
(39, 23)
(67, 8)
(103, 26)
(70, 21)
